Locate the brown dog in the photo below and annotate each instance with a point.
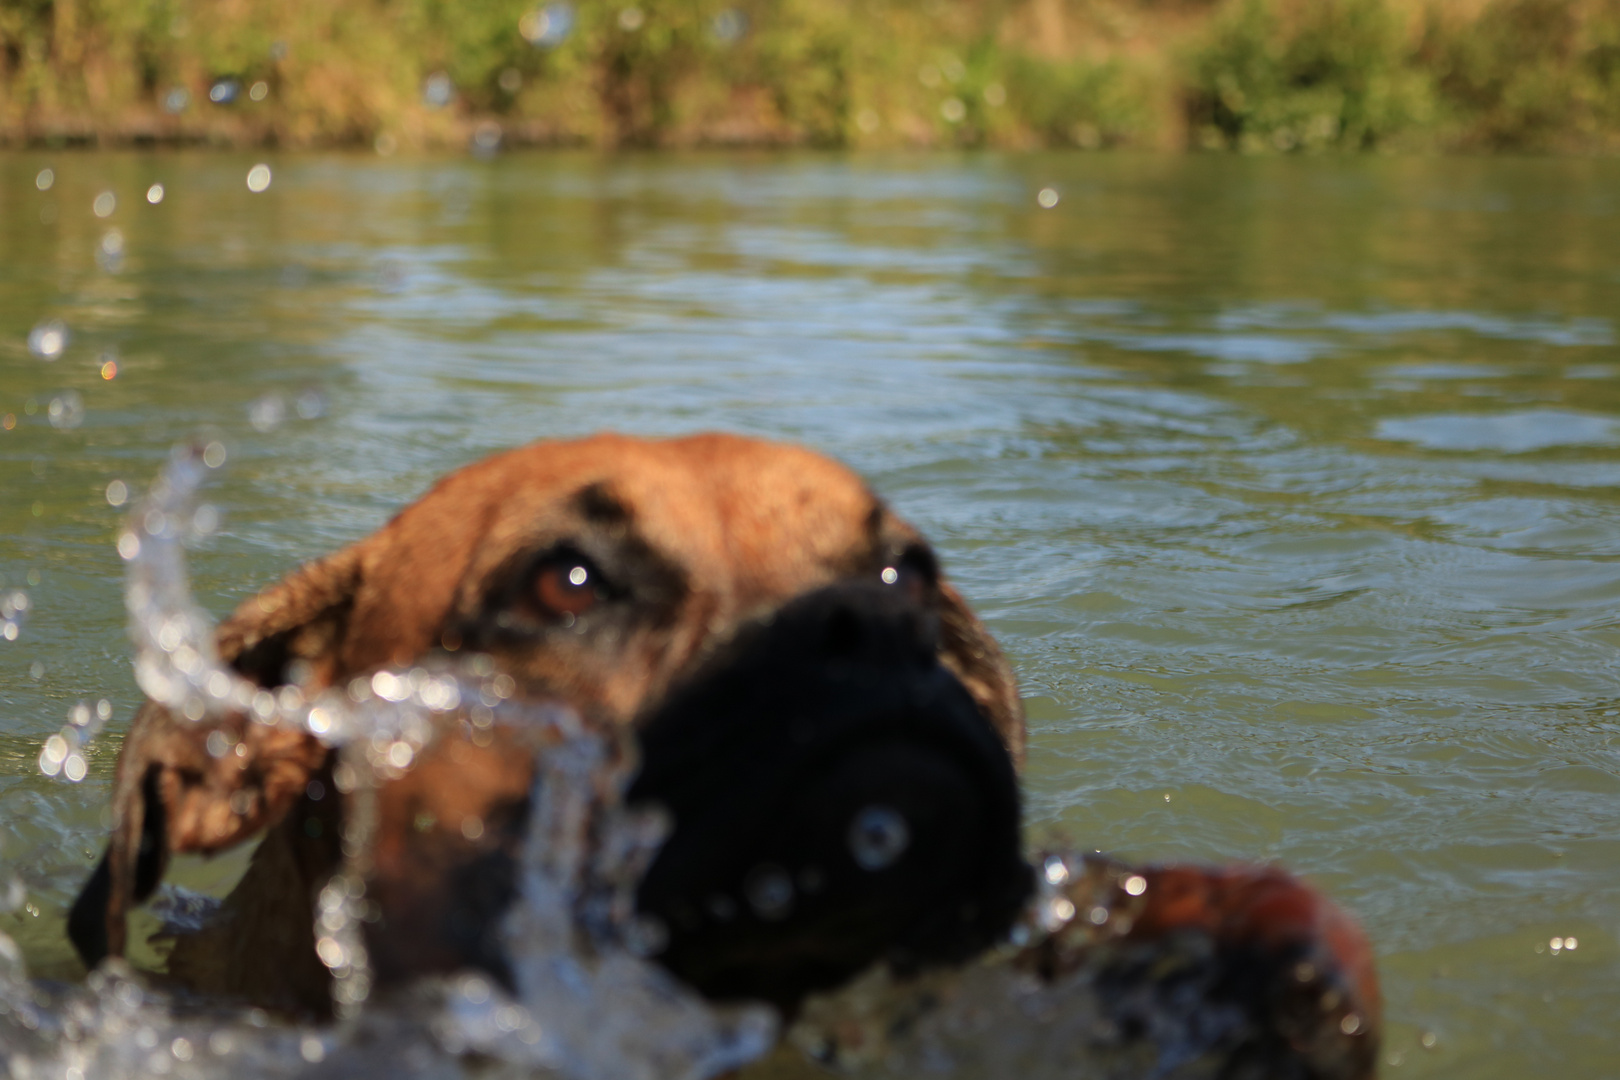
(833, 731)
(634, 580)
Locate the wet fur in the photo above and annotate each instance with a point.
(717, 532)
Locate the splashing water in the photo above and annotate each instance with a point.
(1005, 1016)
(1070, 994)
(13, 606)
(587, 1005)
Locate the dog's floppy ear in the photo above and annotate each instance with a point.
(172, 794)
(304, 617)
(973, 656)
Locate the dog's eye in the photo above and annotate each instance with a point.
(567, 588)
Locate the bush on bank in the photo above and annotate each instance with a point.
(1252, 75)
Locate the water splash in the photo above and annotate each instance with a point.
(587, 1005)
(14, 606)
(47, 340)
(1074, 993)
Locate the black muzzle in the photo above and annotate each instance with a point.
(838, 800)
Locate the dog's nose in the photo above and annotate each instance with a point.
(838, 799)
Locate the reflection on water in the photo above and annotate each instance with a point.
(1289, 485)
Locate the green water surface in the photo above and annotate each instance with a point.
(1292, 486)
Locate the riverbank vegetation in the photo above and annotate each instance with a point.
(1250, 75)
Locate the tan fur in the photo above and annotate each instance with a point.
(747, 525)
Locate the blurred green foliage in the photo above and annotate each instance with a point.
(1532, 74)
(1252, 75)
(1309, 75)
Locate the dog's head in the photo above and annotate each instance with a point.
(833, 730)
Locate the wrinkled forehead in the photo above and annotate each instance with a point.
(761, 518)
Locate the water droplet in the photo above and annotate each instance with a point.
(225, 92)
(388, 686)
(729, 26)
(1047, 198)
(486, 138)
(878, 836)
(400, 755)
(1056, 913)
(45, 179)
(105, 204)
(176, 100)
(549, 26)
(475, 990)
(769, 890)
(1428, 1040)
(890, 575)
(110, 261)
(48, 339)
(267, 413)
(1136, 885)
(1350, 1024)
(331, 951)
(66, 410)
(472, 826)
(53, 754)
(311, 1049)
(438, 91)
(75, 768)
(1057, 871)
(258, 178)
(154, 194)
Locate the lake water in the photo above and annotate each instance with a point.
(1291, 486)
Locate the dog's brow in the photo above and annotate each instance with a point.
(598, 505)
